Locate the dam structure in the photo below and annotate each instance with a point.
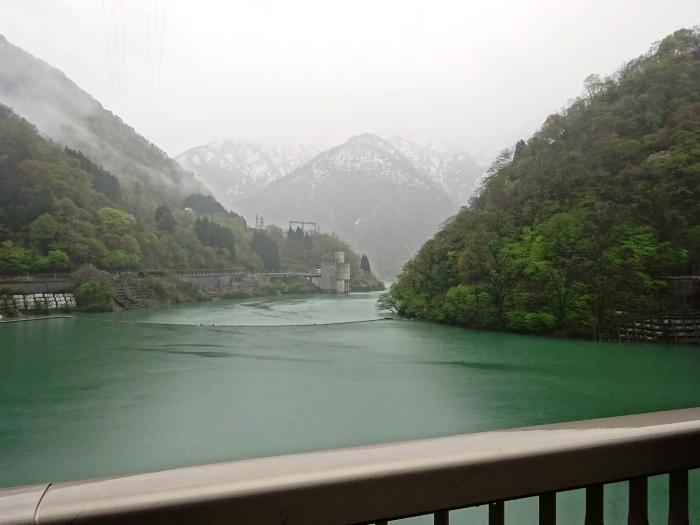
(335, 275)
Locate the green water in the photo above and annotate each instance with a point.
(160, 388)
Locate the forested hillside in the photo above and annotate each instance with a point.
(60, 211)
(68, 115)
(579, 226)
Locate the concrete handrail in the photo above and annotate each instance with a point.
(375, 483)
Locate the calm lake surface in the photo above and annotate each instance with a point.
(151, 389)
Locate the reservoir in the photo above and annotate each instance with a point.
(140, 390)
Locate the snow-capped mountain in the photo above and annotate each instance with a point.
(234, 169)
(368, 192)
(456, 172)
(385, 196)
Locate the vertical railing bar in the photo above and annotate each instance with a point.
(441, 517)
(638, 502)
(548, 508)
(678, 498)
(594, 505)
(497, 515)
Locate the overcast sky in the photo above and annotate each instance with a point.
(478, 76)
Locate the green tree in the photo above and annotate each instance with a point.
(13, 258)
(364, 264)
(115, 221)
(43, 232)
(387, 301)
(267, 249)
(95, 295)
(165, 219)
(58, 261)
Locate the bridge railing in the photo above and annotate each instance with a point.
(375, 484)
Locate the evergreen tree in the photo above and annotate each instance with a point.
(308, 242)
(215, 235)
(364, 264)
(164, 218)
(267, 249)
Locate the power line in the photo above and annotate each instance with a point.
(135, 40)
(122, 42)
(147, 109)
(116, 53)
(126, 72)
(153, 73)
(160, 66)
(109, 54)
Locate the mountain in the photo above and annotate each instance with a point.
(69, 116)
(576, 231)
(233, 170)
(79, 188)
(456, 172)
(368, 192)
(275, 182)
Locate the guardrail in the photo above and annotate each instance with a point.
(29, 278)
(374, 484)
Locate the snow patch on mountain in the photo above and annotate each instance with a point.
(368, 192)
(456, 172)
(236, 169)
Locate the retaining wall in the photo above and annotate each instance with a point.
(683, 327)
(228, 281)
(214, 285)
(38, 302)
(39, 286)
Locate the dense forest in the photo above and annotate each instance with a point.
(579, 226)
(60, 211)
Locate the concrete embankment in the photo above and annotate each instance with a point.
(215, 283)
(38, 302)
(38, 293)
(675, 327)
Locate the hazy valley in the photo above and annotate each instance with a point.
(385, 195)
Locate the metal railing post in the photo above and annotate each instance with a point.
(497, 514)
(548, 508)
(594, 505)
(441, 518)
(678, 498)
(638, 502)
